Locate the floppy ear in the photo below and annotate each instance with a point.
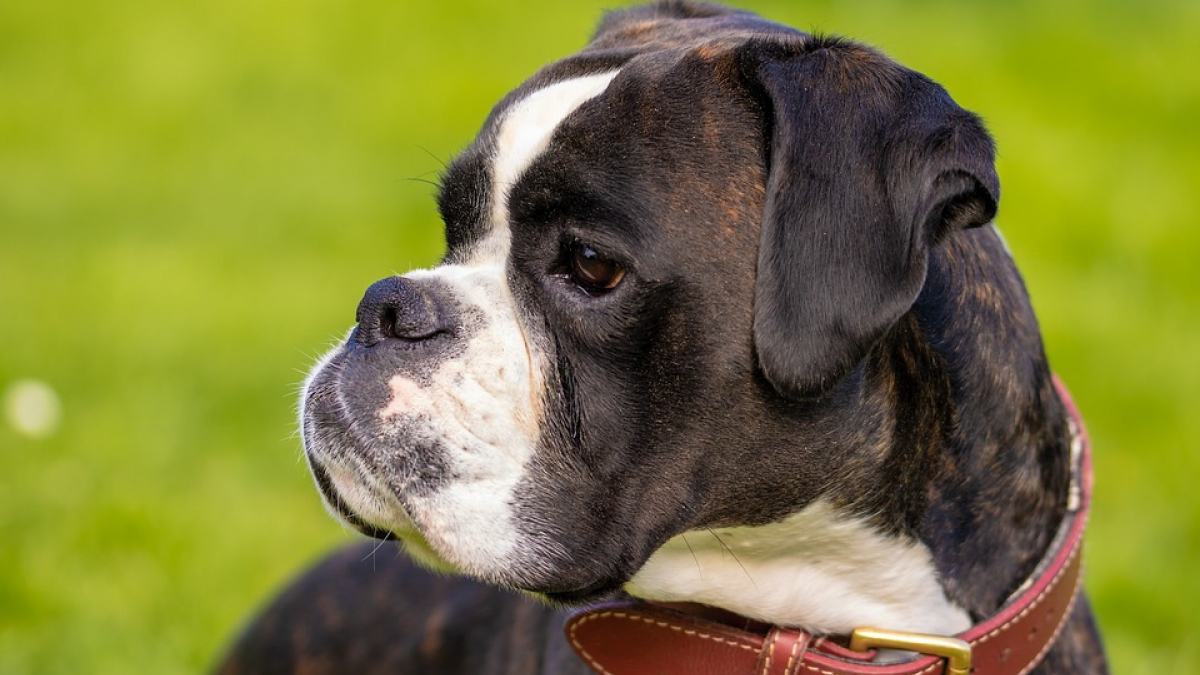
(870, 165)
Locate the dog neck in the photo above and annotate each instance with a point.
(997, 487)
(957, 502)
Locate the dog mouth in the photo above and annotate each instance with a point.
(415, 544)
(593, 592)
(416, 480)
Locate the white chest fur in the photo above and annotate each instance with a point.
(816, 570)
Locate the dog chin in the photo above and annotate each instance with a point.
(417, 548)
(562, 590)
(560, 594)
(555, 591)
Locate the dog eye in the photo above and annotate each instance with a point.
(592, 271)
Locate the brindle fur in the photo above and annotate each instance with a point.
(944, 426)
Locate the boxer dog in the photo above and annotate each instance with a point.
(723, 320)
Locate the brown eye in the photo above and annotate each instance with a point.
(593, 271)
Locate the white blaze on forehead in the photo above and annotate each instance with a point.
(525, 132)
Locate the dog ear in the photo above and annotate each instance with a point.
(869, 166)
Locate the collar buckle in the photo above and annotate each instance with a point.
(957, 652)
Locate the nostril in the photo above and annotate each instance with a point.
(387, 323)
(396, 308)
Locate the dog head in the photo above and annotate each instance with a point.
(667, 257)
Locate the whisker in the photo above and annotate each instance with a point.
(437, 159)
(693, 552)
(735, 558)
(424, 180)
(375, 550)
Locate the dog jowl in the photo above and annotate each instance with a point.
(722, 319)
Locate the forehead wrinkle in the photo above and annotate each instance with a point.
(601, 213)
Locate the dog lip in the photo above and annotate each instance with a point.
(375, 532)
(592, 592)
(321, 405)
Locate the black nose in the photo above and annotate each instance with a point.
(396, 308)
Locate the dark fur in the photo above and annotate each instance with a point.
(807, 315)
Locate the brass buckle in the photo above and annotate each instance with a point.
(956, 652)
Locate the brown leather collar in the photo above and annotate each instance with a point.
(639, 638)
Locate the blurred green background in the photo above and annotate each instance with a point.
(193, 197)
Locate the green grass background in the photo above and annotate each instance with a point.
(194, 195)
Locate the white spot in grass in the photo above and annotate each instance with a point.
(32, 408)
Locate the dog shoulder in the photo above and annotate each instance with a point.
(368, 610)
